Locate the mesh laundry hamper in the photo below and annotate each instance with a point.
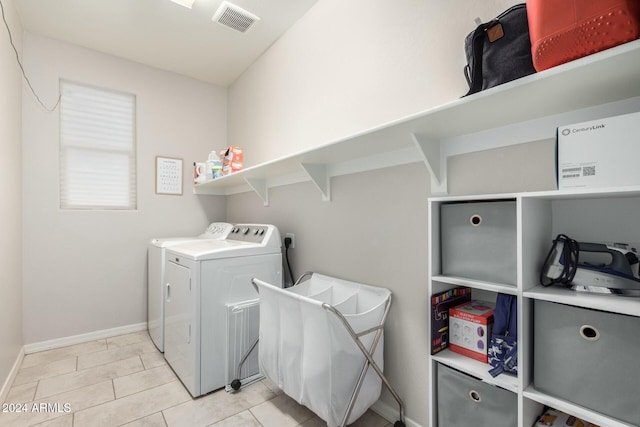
(307, 351)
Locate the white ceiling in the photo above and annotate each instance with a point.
(163, 34)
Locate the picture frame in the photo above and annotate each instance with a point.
(169, 171)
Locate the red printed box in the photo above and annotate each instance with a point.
(470, 327)
(232, 158)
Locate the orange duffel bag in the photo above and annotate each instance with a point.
(564, 30)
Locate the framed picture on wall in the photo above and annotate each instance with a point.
(168, 175)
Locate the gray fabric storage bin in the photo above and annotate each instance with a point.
(588, 357)
(478, 240)
(466, 401)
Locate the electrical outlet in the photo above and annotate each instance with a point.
(293, 239)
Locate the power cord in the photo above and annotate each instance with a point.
(6, 24)
(569, 253)
(287, 244)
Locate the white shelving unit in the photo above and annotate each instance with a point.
(528, 109)
(602, 215)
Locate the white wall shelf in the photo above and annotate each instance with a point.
(525, 110)
(605, 302)
(570, 408)
(476, 284)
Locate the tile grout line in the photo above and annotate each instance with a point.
(131, 356)
(67, 356)
(141, 418)
(83, 370)
(141, 391)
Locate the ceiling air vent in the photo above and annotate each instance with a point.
(234, 17)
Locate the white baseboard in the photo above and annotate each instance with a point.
(391, 413)
(82, 338)
(4, 391)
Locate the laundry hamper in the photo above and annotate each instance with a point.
(317, 340)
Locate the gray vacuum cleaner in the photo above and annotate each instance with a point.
(592, 267)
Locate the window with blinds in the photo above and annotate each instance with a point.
(97, 148)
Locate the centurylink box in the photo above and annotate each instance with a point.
(599, 153)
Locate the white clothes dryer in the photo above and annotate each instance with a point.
(156, 275)
(211, 306)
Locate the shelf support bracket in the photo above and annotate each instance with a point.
(259, 186)
(431, 153)
(320, 178)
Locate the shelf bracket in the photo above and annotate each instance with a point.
(320, 178)
(259, 186)
(431, 153)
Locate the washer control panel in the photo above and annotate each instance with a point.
(249, 233)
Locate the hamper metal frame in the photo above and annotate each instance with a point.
(367, 353)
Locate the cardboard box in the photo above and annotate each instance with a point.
(599, 153)
(470, 327)
(440, 305)
(554, 418)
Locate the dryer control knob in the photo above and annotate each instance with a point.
(245, 230)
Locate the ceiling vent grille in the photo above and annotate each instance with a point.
(234, 17)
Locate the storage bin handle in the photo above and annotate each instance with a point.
(589, 333)
(475, 396)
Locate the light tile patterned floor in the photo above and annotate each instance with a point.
(125, 381)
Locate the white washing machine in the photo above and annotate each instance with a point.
(211, 306)
(155, 276)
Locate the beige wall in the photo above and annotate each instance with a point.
(11, 190)
(373, 231)
(523, 167)
(85, 271)
(346, 67)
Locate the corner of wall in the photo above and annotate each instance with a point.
(11, 340)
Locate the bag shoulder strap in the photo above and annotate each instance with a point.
(477, 50)
(473, 70)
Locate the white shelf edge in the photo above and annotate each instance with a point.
(607, 77)
(475, 197)
(573, 409)
(571, 193)
(319, 173)
(613, 303)
(476, 284)
(586, 193)
(477, 369)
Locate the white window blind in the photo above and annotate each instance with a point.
(97, 148)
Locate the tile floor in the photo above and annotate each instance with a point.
(125, 381)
